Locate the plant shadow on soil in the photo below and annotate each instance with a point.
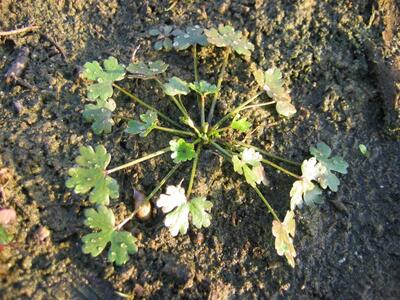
(347, 247)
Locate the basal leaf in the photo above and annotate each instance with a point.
(151, 70)
(101, 115)
(250, 158)
(226, 36)
(102, 218)
(178, 220)
(176, 86)
(144, 127)
(192, 36)
(181, 150)
(198, 208)
(90, 176)
(122, 244)
(104, 78)
(284, 233)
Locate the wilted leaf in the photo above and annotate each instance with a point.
(192, 36)
(181, 150)
(176, 86)
(143, 71)
(226, 36)
(249, 157)
(284, 233)
(91, 176)
(122, 242)
(149, 122)
(105, 77)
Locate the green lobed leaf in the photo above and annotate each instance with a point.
(122, 242)
(112, 71)
(226, 36)
(143, 71)
(313, 197)
(241, 125)
(193, 36)
(198, 208)
(181, 150)
(176, 86)
(101, 115)
(144, 127)
(203, 87)
(91, 177)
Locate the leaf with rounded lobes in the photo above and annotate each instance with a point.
(101, 115)
(203, 87)
(284, 233)
(144, 127)
(181, 150)
(241, 125)
(198, 208)
(249, 157)
(91, 177)
(192, 36)
(226, 36)
(103, 220)
(178, 220)
(112, 71)
(176, 86)
(151, 70)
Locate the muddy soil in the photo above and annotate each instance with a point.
(347, 248)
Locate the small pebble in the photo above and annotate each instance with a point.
(42, 233)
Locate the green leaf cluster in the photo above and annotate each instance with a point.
(226, 36)
(176, 86)
(103, 221)
(90, 175)
(336, 163)
(151, 70)
(164, 36)
(144, 127)
(271, 81)
(182, 150)
(191, 37)
(203, 88)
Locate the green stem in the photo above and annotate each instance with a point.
(139, 160)
(219, 83)
(220, 149)
(278, 167)
(141, 102)
(268, 154)
(223, 129)
(147, 199)
(270, 209)
(195, 63)
(177, 103)
(236, 110)
(175, 131)
(193, 172)
(259, 105)
(203, 117)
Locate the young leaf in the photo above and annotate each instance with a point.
(101, 115)
(149, 122)
(91, 177)
(226, 36)
(241, 125)
(181, 150)
(271, 81)
(198, 208)
(327, 164)
(203, 88)
(122, 242)
(176, 86)
(249, 157)
(105, 77)
(164, 36)
(151, 70)
(5, 238)
(363, 149)
(192, 36)
(284, 233)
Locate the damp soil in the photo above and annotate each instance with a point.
(348, 247)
